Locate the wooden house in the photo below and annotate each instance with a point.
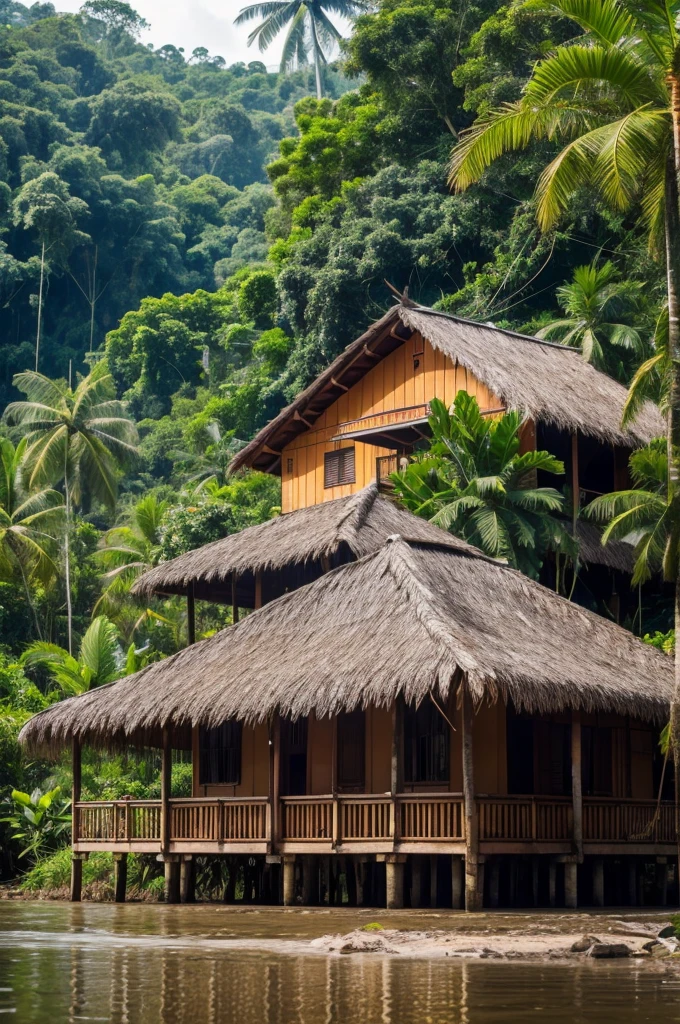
(401, 720)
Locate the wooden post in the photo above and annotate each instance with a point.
(598, 881)
(120, 866)
(187, 880)
(662, 880)
(396, 764)
(234, 603)
(166, 784)
(76, 877)
(494, 883)
(575, 485)
(275, 781)
(632, 882)
(570, 884)
(394, 879)
(576, 783)
(191, 615)
(171, 889)
(289, 880)
(258, 590)
(335, 817)
(76, 772)
(472, 894)
(416, 881)
(456, 881)
(552, 882)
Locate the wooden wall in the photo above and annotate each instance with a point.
(254, 766)
(396, 382)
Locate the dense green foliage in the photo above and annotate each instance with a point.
(207, 238)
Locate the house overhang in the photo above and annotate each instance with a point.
(397, 428)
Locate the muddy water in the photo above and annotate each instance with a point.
(140, 964)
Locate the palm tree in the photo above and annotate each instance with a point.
(641, 515)
(28, 525)
(126, 552)
(81, 437)
(210, 466)
(613, 97)
(99, 659)
(474, 482)
(309, 27)
(597, 305)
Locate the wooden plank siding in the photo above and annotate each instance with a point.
(411, 375)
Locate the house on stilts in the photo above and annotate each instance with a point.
(400, 720)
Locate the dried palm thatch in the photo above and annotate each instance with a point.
(310, 540)
(412, 618)
(547, 382)
(617, 554)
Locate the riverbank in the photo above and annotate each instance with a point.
(491, 935)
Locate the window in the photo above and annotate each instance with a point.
(338, 467)
(426, 745)
(351, 750)
(220, 755)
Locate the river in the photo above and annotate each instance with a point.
(142, 964)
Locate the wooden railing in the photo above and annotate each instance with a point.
(219, 820)
(126, 821)
(307, 818)
(431, 818)
(427, 818)
(365, 817)
(611, 820)
(525, 818)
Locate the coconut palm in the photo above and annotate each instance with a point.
(597, 305)
(127, 551)
(641, 515)
(29, 524)
(474, 482)
(99, 659)
(309, 27)
(80, 437)
(612, 98)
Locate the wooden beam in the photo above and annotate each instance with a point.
(191, 615)
(576, 782)
(258, 589)
(300, 417)
(396, 763)
(166, 785)
(337, 384)
(120, 867)
(472, 894)
(275, 781)
(234, 605)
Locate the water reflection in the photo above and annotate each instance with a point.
(68, 964)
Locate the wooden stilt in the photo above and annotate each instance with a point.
(289, 880)
(359, 874)
(552, 883)
(416, 881)
(187, 880)
(570, 885)
(434, 860)
(662, 880)
(166, 783)
(598, 881)
(120, 866)
(171, 888)
(396, 763)
(472, 894)
(456, 881)
(534, 879)
(76, 878)
(394, 880)
(494, 883)
(632, 882)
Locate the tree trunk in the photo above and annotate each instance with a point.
(673, 274)
(40, 296)
(67, 555)
(317, 59)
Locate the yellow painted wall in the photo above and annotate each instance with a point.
(394, 383)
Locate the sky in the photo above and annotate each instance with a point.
(192, 23)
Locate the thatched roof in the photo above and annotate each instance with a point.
(616, 554)
(411, 618)
(547, 382)
(290, 550)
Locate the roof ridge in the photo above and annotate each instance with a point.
(493, 327)
(405, 572)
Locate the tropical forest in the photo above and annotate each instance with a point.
(185, 244)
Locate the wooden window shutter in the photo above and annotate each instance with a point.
(339, 467)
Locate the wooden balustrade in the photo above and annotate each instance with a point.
(525, 819)
(365, 817)
(611, 820)
(219, 820)
(427, 818)
(307, 818)
(431, 818)
(125, 821)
